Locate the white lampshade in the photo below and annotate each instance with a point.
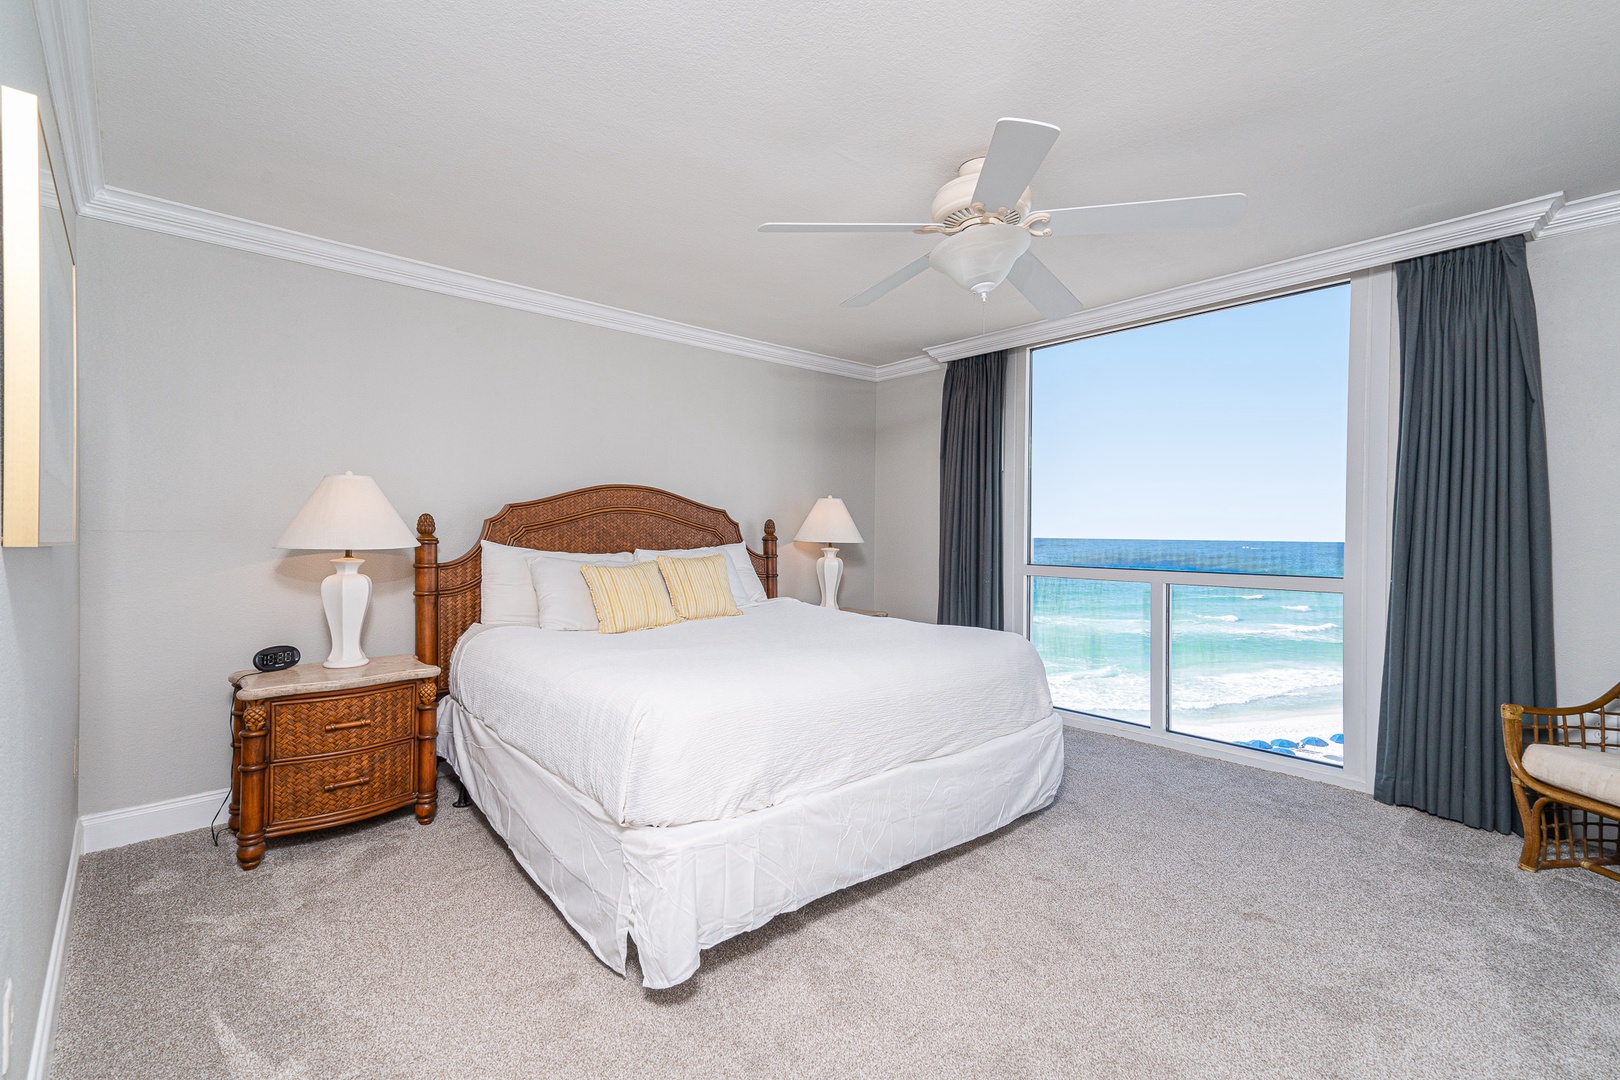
(346, 513)
(829, 523)
(981, 256)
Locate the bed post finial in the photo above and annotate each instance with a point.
(768, 546)
(427, 591)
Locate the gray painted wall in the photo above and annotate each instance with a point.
(908, 495)
(1577, 283)
(218, 387)
(39, 684)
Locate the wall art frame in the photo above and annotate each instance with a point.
(39, 465)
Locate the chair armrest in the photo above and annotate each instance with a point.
(1595, 726)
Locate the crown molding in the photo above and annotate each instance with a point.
(177, 219)
(1528, 216)
(1584, 214)
(64, 33)
(917, 365)
(64, 27)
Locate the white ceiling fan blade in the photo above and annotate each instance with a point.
(893, 281)
(1041, 288)
(1200, 212)
(1016, 150)
(841, 226)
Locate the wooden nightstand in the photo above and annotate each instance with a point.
(859, 611)
(313, 747)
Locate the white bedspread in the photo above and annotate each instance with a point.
(711, 719)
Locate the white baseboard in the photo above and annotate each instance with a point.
(39, 1057)
(97, 832)
(131, 825)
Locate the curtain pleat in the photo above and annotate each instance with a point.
(1470, 604)
(970, 570)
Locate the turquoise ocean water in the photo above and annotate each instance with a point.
(1257, 667)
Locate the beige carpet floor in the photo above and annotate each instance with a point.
(1169, 916)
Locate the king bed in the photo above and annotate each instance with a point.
(681, 785)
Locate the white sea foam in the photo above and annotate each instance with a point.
(1263, 687)
(1109, 690)
(1296, 607)
(1252, 596)
(1092, 624)
(1326, 632)
(1217, 618)
(1106, 691)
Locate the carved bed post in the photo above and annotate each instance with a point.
(427, 591)
(427, 755)
(768, 549)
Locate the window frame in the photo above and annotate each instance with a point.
(1371, 432)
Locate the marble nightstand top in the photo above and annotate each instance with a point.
(314, 679)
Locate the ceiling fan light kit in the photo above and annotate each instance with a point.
(980, 258)
(983, 213)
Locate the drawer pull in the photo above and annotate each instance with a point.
(338, 785)
(346, 725)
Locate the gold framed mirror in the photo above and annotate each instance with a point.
(38, 339)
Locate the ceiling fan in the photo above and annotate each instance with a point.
(985, 219)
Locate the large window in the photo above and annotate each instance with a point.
(1186, 524)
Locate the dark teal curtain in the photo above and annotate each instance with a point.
(972, 410)
(1470, 604)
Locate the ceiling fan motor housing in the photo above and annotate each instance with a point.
(953, 203)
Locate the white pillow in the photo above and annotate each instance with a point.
(564, 598)
(506, 595)
(746, 588)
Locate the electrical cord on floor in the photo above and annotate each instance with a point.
(230, 724)
(213, 831)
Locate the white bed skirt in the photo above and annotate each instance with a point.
(681, 889)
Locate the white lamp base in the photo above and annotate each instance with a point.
(829, 571)
(346, 594)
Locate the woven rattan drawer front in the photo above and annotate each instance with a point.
(305, 789)
(333, 724)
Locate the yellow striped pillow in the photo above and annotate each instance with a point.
(699, 588)
(629, 597)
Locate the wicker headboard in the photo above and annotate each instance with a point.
(612, 517)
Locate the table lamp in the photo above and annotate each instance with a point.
(346, 512)
(829, 523)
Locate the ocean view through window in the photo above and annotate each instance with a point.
(1095, 637)
(1262, 668)
(1186, 523)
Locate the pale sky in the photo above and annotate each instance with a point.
(1223, 426)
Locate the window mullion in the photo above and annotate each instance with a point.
(1233, 579)
(1159, 664)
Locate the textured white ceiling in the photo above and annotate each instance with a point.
(624, 153)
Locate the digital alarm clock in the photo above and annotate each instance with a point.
(276, 658)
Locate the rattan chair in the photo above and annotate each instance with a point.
(1565, 827)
